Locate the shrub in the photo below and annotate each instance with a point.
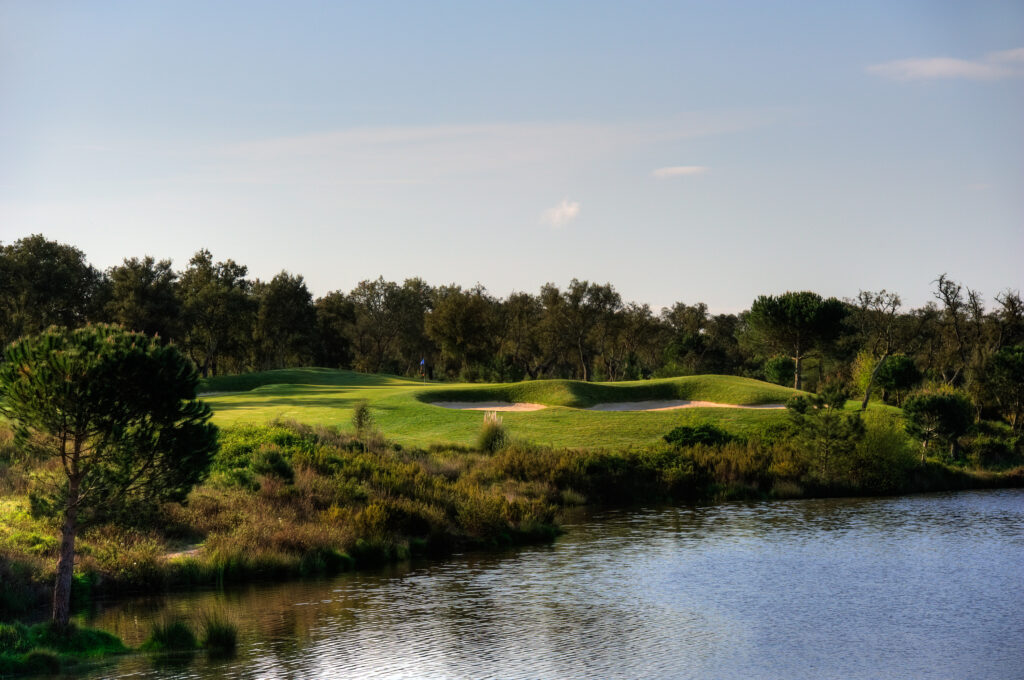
(170, 636)
(220, 636)
(41, 662)
(362, 418)
(705, 434)
(269, 461)
(945, 416)
(14, 638)
(492, 436)
(882, 459)
(898, 374)
(779, 370)
(988, 451)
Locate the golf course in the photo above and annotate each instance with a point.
(566, 413)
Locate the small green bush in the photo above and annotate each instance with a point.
(41, 662)
(779, 370)
(220, 636)
(987, 451)
(704, 434)
(492, 436)
(172, 635)
(82, 642)
(14, 638)
(362, 419)
(269, 461)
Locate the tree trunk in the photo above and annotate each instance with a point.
(66, 562)
(583, 362)
(797, 361)
(871, 383)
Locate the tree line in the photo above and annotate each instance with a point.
(227, 322)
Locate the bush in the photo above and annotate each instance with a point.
(362, 418)
(269, 461)
(943, 416)
(992, 451)
(14, 638)
(220, 636)
(170, 636)
(779, 370)
(704, 434)
(41, 662)
(883, 458)
(492, 436)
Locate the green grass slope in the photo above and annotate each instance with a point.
(721, 389)
(404, 412)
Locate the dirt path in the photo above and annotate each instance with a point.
(191, 551)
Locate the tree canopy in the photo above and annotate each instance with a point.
(118, 411)
(796, 324)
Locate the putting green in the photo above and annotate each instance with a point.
(403, 409)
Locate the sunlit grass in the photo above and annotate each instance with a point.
(402, 410)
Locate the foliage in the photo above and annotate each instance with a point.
(142, 297)
(898, 374)
(362, 418)
(941, 415)
(285, 328)
(827, 433)
(1007, 371)
(170, 635)
(796, 324)
(346, 506)
(335, 316)
(492, 435)
(217, 313)
(705, 434)
(117, 411)
(227, 322)
(45, 648)
(220, 636)
(779, 370)
(44, 283)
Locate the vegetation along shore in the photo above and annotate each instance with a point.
(158, 459)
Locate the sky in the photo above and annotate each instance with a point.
(683, 151)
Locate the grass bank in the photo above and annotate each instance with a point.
(46, 649)
(289, 500)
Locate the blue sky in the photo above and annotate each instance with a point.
(682, 151)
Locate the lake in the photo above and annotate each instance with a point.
(928, 586)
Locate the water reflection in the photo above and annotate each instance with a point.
(924, 586)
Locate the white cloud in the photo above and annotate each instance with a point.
(679, 170)
(562, 214)
(992, 67)
(460, 153)
(1010, 56)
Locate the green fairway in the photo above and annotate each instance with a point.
(403, 412)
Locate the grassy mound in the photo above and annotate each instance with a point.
(403, 409)
(298, 376)
(721, 389)
(46, 649)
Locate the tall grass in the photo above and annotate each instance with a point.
(288, 500)
(220, 636)
(492, 435)
(170, 635)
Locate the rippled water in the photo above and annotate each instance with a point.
(913, 587)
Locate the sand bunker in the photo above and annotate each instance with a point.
(670, 405)
(489, 405)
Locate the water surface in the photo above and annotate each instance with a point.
(925, 586)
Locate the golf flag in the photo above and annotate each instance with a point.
(423, 362)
